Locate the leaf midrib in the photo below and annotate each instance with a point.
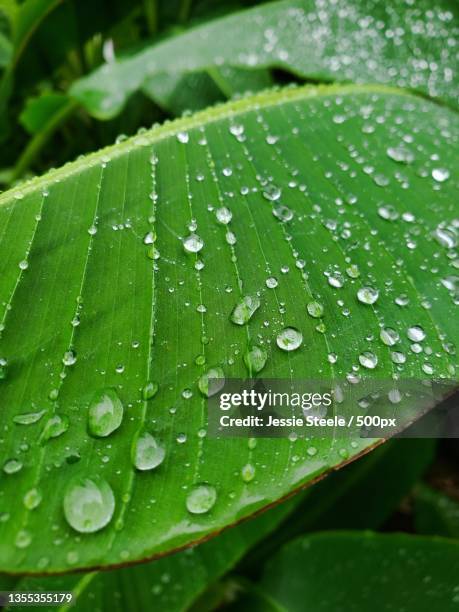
(265, 99)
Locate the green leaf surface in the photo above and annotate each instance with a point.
(359, 41)
(360, 572)
(172, 583)
(87, 311)
(39, 111)
(435, 513)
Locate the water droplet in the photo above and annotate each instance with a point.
(388, 212)
(23, 539)
(12, 466)
(28, 418)
(272, 192)
(353, 271)
(271, 282)
(149, 238)
(389, 336)
(244, 310)
(224, 215)
(367, 295)
(289, 339)
(3, 368)
(24, 264)
(368, 360)
(32, 499)
(315, 309)
(55, 426)
(105, 413)
(201, 499)
(416, 333)
(283, 213)
(248, 472)
(147, 453)
(398, 357)
(183, 137)
(193, 243)
(400, 154)
(255, 359)
(150, 390)
(336, 280)
(311, 451)
(440, 175)
(211, 382)
(69, 358)
(89, 504)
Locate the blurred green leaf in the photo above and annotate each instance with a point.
(39, 111)
(361, 495)
(362, 571)
(361, 42)
(177, 93)
(6, 50)
(435, 513)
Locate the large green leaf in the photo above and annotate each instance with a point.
(86, 311)
(411, 45)
(361, 572)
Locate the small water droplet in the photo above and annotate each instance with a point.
(211, 382)
(416, 333)
(150, 390)
(271, 282)
(224, 215)
(12, 466)
(315, 309)
(69, 358)
(32, 499)
(28, 418)
(389, 336)
(367, 295)
(255, 359)
(440, 175)
(54, 427)
(193, 243)
(248, 472)
(272, 192)
(183, 137)
(368, 360)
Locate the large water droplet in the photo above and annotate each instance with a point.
(212, 381)
(147, 453)
(89, 504)
(105, 413)
(272, 192)
(244, 310)
(440, 175)
(289, 339)
(201, 499)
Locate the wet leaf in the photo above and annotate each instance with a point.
(125, 268)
